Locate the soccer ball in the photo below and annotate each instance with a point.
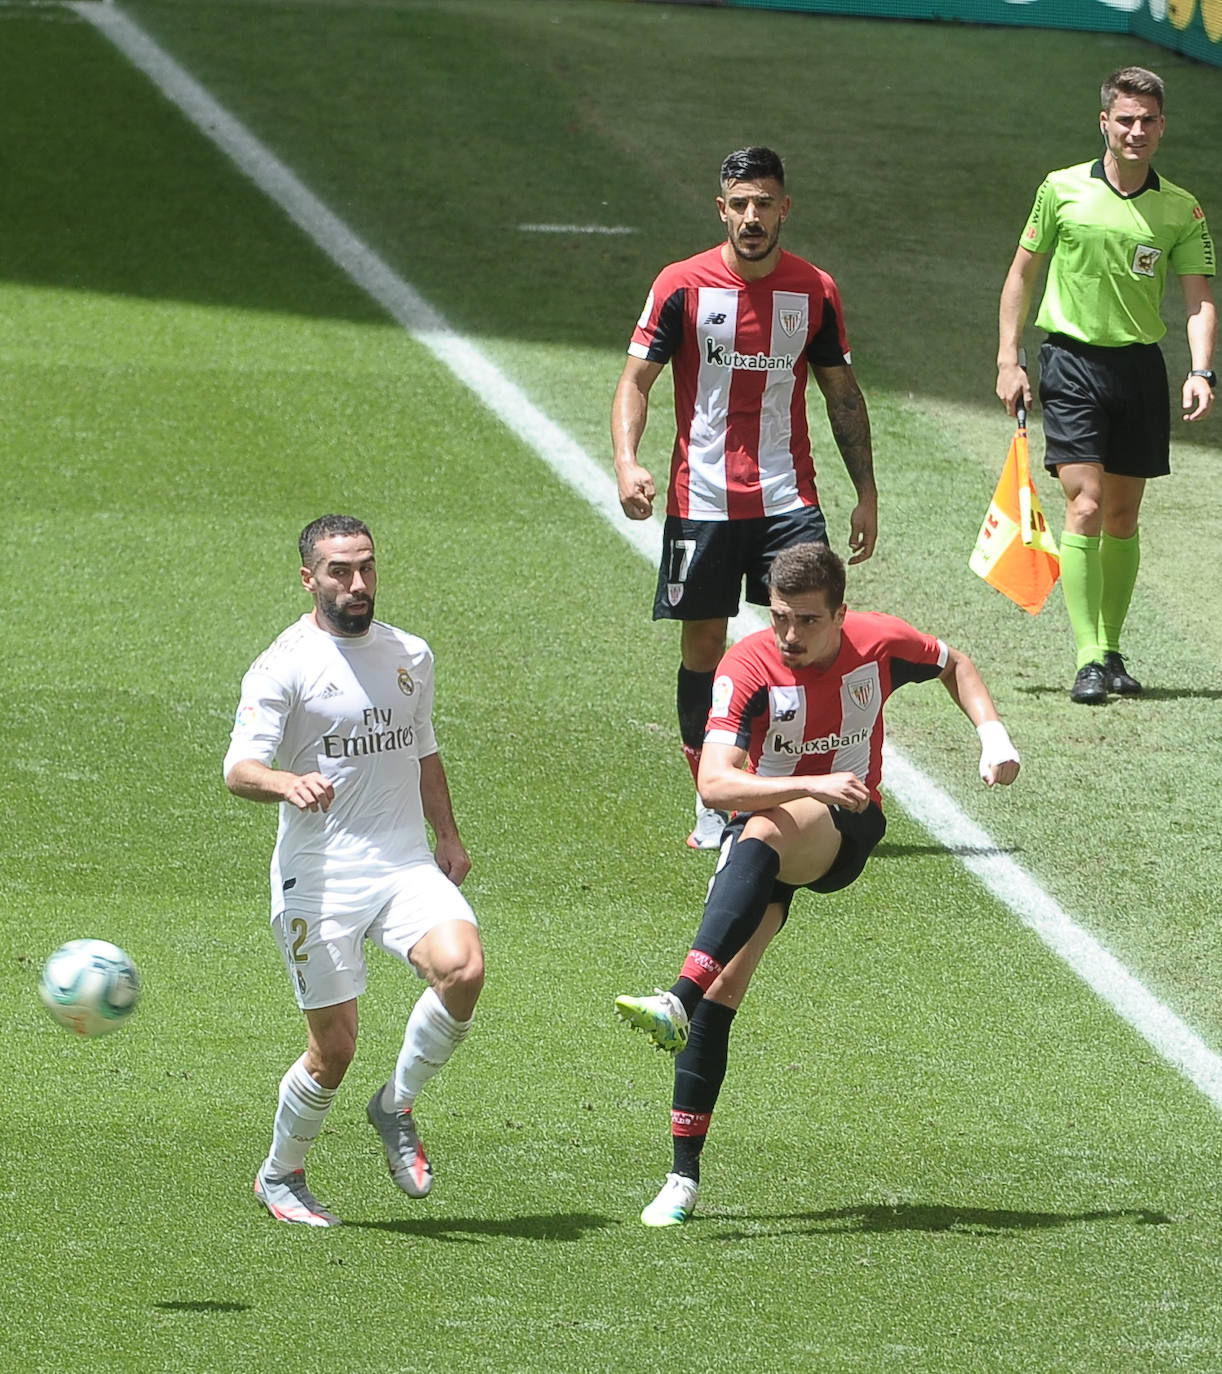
(90, 986)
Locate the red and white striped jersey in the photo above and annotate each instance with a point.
(795, 721)
(740, 352)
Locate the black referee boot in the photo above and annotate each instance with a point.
(1119, 680)
(1090, 686)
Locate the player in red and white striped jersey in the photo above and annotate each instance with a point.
(743, 326)
(794, 747)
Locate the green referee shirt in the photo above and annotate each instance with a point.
(1110, 253)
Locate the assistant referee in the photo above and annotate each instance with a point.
(1108, 230)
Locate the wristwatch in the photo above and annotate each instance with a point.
(1207, 372)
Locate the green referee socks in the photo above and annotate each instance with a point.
(1082, 583)
(1119, 560)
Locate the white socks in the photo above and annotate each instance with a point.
(431, 1037)
(303, 1107)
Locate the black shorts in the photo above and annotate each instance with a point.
(1106, 405)
(704, 561)
(860, 831)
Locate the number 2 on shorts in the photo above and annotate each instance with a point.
(300, 930)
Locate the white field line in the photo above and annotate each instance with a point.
(576, 229)
(923, 799)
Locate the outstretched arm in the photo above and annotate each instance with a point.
(999, 761)
(850, 422)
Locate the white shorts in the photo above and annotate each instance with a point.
(323, 944)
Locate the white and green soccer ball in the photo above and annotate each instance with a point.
(90, 986)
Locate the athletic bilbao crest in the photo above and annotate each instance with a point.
(862, 692)
(791, 321)
(674, 592)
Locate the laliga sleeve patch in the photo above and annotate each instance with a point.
(723, 691)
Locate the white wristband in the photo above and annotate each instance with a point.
(995, 745)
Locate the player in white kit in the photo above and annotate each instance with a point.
(335, 725)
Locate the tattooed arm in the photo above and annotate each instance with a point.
(846, 411)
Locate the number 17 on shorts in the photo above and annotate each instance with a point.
(678, 561)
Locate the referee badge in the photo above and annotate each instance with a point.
(1144, 259)
(406, 685)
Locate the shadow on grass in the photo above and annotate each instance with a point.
(885, 850)
(469, 1230)
(1147, 694)
(201, 1306)
(930, 1217)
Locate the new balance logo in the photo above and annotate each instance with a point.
(716, 317)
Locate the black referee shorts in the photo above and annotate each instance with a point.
(1105, 405)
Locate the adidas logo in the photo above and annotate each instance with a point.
(329, 691)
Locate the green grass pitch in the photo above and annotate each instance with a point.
(936, 1149)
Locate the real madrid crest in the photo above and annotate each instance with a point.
(406, 685)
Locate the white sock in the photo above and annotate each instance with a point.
(431, 1037)
(303, 1107)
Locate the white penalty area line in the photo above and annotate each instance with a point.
(922, 798)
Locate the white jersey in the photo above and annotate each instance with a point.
(359, 711)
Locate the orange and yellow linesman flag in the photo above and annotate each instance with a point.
(1015, 551)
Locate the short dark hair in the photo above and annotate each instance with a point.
(326, 527)
(808, 567)
(752, 164)
(1131, 81)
